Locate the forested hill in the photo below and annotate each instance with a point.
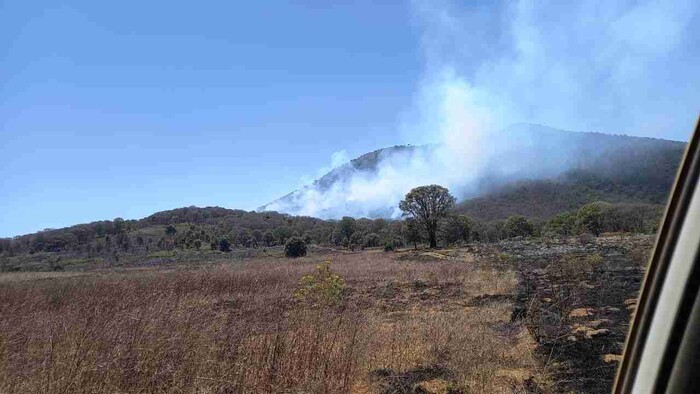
(634, 171)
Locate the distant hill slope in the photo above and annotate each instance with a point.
(537, 171)
(366, 164)
(633, 170)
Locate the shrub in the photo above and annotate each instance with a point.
(268, 238)
(393, 244)
(356, 238)
(370, 240)
(517, 226)
(320, 288)
(295, 247)
(308, 239)
(224, 245)
(590, 218)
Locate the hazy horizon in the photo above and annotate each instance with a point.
(110, 113)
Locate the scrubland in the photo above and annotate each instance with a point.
(528, 315)
(411, 321)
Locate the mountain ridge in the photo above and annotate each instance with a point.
(568, 159)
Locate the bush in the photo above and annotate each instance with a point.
(295, 247)
(393, 244)
(321, 288)
(517, 226)
(225, 245)
(370, 240)
(590, 218)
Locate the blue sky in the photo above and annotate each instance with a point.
(125, 108)
(122, 109)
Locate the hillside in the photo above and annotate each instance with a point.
(532, 170)
(364, 165)
(547, 172)
(641, 171)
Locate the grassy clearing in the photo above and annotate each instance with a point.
(402, 323)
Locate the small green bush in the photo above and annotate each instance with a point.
(389, 247)
(295, 247)
(322, 288)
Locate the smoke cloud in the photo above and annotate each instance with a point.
(616, 67)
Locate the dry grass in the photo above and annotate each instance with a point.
(441, 325)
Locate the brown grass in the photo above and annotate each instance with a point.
(236, 328)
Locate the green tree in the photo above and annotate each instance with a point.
(413, 233)
(517, 226)
(282, 234)
(457, 228)
(268, 238)
(428, 205)
(370, 240)
(347, 226)
(356, 238)
(170, 230)
(562, 224)
(119, 225)
(197, 243)
(257, 237)
(245, 238)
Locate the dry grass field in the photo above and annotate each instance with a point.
(395, 323)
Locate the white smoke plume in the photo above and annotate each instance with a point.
(617, 66)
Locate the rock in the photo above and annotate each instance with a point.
(581, 312)
(612, 358)
(598, 323)
(597, 333)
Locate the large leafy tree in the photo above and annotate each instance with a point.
(428, 205)
(347, 226)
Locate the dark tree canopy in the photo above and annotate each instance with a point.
(347, 226)
(224, 245)
(170, 230)
(413, 232)
(295, 247)
(428, 204)
(517, 226)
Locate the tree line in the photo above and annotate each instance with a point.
(430, 219)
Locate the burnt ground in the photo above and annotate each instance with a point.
(577, 297)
